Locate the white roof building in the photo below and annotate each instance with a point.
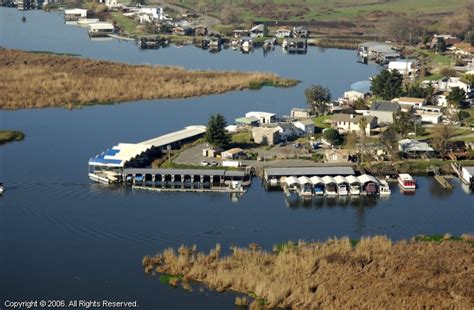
(263, 117)
(405, 66)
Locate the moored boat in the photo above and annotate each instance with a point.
(2, 188)
(406, 181)
(384, 188)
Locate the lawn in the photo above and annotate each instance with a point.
(128, 25)
(319, 122)
(242, 137)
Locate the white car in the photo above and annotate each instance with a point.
(204, 163)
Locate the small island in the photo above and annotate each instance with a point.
(40, 80)
(10, 135)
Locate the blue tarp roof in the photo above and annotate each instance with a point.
(361, 86)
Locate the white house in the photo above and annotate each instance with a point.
(353, 95)
(404, 66)
(283, 33)
(156, 13)
(384, 111)
(410, 102)
(74, 14)
(287, 131)
(299, 113)
(430, 114)
(263, 117)
(112, 4)
(306, 125)
(448, 83)
(346, 123)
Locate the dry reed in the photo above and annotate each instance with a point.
(38, 80)
(374, 274)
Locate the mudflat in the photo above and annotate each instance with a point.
(40, 80)
(372, 273)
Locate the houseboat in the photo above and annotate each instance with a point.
(406, 181)
(384, 188)
(342, 185)
(330, 186)
(101, 29)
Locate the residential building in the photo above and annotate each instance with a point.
(449, 40)
(247, 121)
(234, 153)
(409, 103)
(156, 13)
(265, 135)
(283, 33)
(258, 31)
(415, 149)
(346, 123)
(336, 155)
(353, 95)
(404, 66)
(299, 113)
(429, 114)
(384, 111)
(287, 131)
(448, 83)
(263, 117)
(212, 152)
(306, 125)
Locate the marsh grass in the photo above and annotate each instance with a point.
(10, 135)
(38, 80)
(373, 273)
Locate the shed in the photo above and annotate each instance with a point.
(248, 121)
(233, 153)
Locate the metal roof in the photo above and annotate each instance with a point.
(469, 169)
(316, 180)
(304, 180)
(211, 172)
(385, 106)
(365, 178)
(187, 132)
(309, 171)
(352, 180)
(329, 180)
(340, 179)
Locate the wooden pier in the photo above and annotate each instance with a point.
(443, 182)
(191, 190)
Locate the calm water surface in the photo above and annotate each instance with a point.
(62, 237)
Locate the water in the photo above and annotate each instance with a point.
(62, 237)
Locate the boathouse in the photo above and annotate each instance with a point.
(273, 176)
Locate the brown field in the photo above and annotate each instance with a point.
(39, 80)
(376, 273)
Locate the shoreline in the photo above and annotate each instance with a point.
(422, 271)
(42, 79)
(7, 136)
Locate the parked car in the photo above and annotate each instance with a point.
(213, 163)
(204, 163)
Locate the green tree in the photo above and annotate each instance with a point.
(456, 97)
(332, 136)
(387, 85)
(441, 136)
(359, 104)
(216, 133)
(415, 90)
(317, 97)
(389, 137)
(403, 123)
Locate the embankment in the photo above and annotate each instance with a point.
(372, 273)
(39, 80)
(10, 136)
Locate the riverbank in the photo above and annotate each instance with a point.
(423, 272)
(40, 80)
(10, 136)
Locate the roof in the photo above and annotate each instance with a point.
(328, 180)
(309, 171)
(365, 178)
(119, 155)
(284, 126)
(350, 118)
(213, 172)
(291, 180)
(257, 113)
(352, 179)
(385, 106)
(246, 120)
(340, 179)
(306, 122)
(259, 27)
(304, 180)
(265, 130)
(75, 11)
(469, 169)
(301, 110)
(316, 180)
(408, 145)
(411, 100)
(101, 26)
(187, 132)
(235, 150)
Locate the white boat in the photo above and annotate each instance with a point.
(406, 181)
(87, 21)
(2, 188)
(384, 188)
(330, 186)
(354, 185)
(342, 185)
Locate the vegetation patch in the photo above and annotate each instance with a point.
(10, 135)
(336, 273)
(38, 80)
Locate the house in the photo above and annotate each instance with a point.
(283, 33)
(287, 131)
(440, 99)
(384, 111)
(182, 31)
(409, 103)
(75, 14)
(345, 123)
(258, 31)
(112, 4)
(156, 13)
(200, 30)
(449, 40)
(247, 121)
(300, 32)
(336, 155)
(263, 117)
(306, 125)
(212, 152)
(234, 153)
(429, 114)
(266, 135)
(299, 113)
(415, 149)
(448, 83)
(353, 95)
(404, 66)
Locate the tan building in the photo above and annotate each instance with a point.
(336, 155)
(234, 153)
(265, 135)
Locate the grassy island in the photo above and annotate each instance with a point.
(10, 135)
(375, 273)
(39, 80)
